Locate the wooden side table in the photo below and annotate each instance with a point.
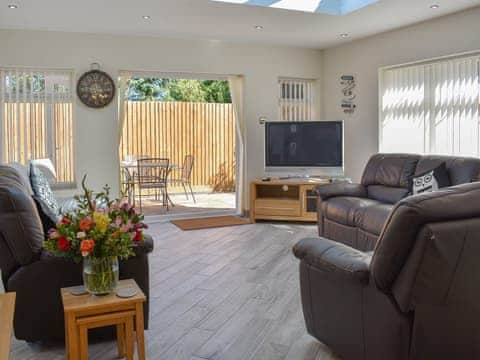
(7, 308)
(88, 312)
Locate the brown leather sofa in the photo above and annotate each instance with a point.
(36, 276)
(417, 296)
(354, 214)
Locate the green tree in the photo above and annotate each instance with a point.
(186, 90)
(147, 89)
(216, 91)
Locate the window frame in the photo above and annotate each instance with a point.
(428, 65)
(51, 146)
(307, 98)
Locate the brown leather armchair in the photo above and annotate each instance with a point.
(37, 276)
(416, 296)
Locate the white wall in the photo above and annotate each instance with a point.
(96, 130)
(444, 36)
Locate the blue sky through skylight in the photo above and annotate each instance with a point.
(333, 7)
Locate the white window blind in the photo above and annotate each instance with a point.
(431, 108)
(36, 118)
(295, 99)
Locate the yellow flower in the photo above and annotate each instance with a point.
(101, 221)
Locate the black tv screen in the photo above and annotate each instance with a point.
(304, 144)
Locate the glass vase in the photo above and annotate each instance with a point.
(100, 275)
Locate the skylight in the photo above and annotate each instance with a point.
(333, 7)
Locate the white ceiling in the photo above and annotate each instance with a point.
(204, 19)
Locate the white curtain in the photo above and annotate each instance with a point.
(236, 91)
(431, 108)
(122, 90)
(403, 120)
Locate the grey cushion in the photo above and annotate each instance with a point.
(44, 197)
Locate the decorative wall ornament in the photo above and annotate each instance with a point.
(348, 85)
(96, 88)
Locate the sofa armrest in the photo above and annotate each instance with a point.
(333, 257)
(342, 189)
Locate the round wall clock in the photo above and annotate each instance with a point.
(96, 89)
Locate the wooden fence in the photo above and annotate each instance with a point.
(176, 129)
(40, 130)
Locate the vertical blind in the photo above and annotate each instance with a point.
(36, 118)
(431, 108)
(295, 99)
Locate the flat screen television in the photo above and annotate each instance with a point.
(309, 144)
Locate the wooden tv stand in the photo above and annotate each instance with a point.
(284, 199)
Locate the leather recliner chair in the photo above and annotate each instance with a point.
(354, 214)
(417, 296)
(35, 275)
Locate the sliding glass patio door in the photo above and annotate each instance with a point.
(185, 119)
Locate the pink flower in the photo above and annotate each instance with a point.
(52, 234)
(118, 221)
(126, 206)
(81, 235)
(125, 228)
(139, 226)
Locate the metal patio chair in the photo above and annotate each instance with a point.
(152, 174)
(185, 176)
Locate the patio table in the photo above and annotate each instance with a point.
(131, 167)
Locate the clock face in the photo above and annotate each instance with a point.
(96, 89)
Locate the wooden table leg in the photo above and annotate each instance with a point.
(72, 337)
(67, 344)
(129, 337)
(139, 328)
(121, 340)
(83, 330)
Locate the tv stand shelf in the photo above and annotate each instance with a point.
(284, 200)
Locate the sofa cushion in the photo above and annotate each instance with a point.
(461, 170)
(24, 172)
(44, 198)
(344, 209)
(387, 194)
(390, 169)
(372, 218)
(21, 227)
(429, 181)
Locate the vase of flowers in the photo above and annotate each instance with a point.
(100, 232)
(100, 275)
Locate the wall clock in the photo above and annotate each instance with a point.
(96, 89)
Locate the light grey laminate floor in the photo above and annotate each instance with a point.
(225, 293)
